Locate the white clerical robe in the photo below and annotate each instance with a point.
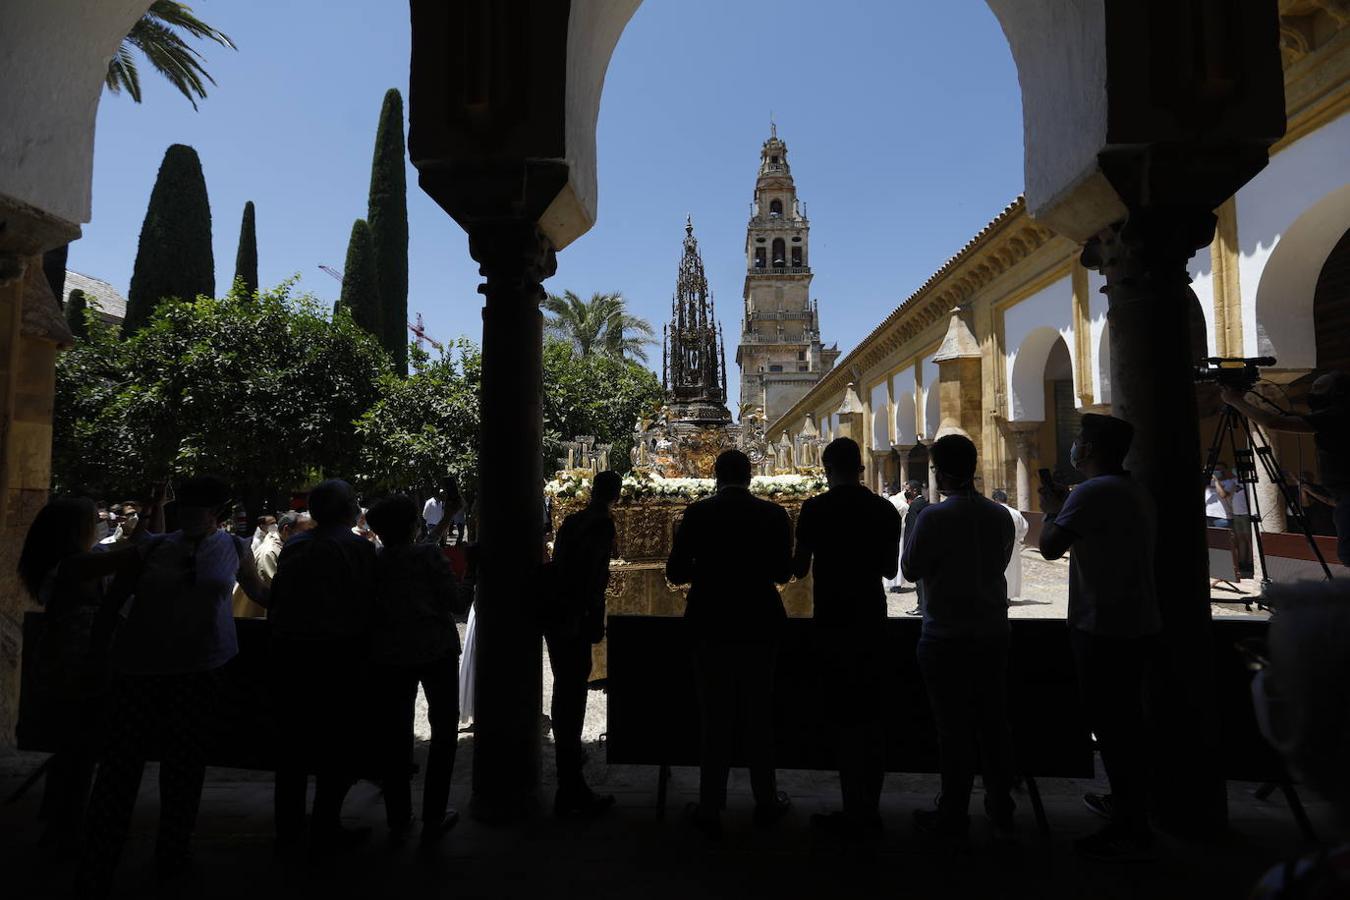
(902, 507)
(1014, 571)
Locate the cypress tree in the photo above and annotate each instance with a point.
(75, 306)
(360, 291)
(388, 217)
(246, 257)
(174, 256)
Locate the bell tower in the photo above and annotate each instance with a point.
(780, 353)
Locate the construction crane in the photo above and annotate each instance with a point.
(418, 330)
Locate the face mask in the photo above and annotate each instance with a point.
(1075, 454)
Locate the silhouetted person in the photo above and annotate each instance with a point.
(64, 575)
(320, 613)
(732, 548)
(1109, 521)
(916, 492)
(581, 555)
(960, 548)
(166, 659)
(851, 538)
(414, 642)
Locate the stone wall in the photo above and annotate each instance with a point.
(29, 336)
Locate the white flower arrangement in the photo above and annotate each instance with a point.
(576, 485)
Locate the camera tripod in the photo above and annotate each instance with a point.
(1246, 456)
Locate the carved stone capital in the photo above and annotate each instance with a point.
(515, 258)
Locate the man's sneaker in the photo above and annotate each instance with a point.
(775, 809)
(933, 823)
(1100, 804)
(1113, 844)
(583, 804)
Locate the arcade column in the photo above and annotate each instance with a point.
(1143, 260)
(514, 258)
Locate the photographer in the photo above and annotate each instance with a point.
(1328, 421)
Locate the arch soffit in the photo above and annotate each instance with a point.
(1026, 380)
(1288, 281)
(53, 60)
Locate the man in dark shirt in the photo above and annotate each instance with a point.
(732, 548)
(580, 566)
(1328, 421)
(852, 537)
(960, 548)
(320, 614)
(916, 492)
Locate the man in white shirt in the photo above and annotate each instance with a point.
(1110, 522)
(1218, 512)
(1234, 492)
(959, 549)
(1020, 527)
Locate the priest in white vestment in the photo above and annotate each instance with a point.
(901, 506)
(1013, 574)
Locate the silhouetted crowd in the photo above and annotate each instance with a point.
(363, 603)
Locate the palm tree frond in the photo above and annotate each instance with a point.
(122, 74)
(179, 15)
(167, 50)
(179, 63)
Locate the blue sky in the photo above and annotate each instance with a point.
(902, 119)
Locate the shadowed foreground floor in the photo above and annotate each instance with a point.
(632, 853)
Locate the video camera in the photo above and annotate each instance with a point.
(1232, 371)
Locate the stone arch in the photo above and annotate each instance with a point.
(1331, 308)
(1026, 386)
(906, 434)
(881, 425)
(1285, 321)
(1102, 362)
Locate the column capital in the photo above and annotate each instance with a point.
(514, 257)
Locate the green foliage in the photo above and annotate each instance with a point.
(360, 288)
(75, 307)
(246, 257)
(597, 394)
(174, 257)
(425, 426)
(388, 217)
(264, 393)
(169, 52)
(599, 325)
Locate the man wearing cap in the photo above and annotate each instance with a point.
(1110, 522)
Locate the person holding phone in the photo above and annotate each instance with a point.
(1110, 522)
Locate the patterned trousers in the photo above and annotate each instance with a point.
(164, 716)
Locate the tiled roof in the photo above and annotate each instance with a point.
(112, 305)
